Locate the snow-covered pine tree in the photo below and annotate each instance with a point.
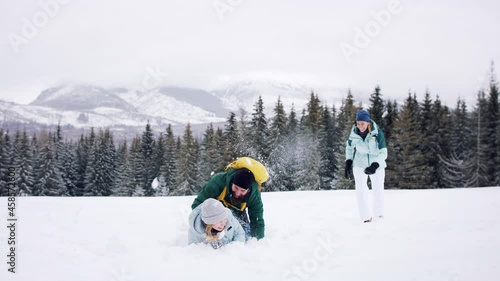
(244, 140)
(187, 168)
(231, 139)
(457, 167)
(260, 132)
(136, 164)
(209, 155)
(345, 120)
(411, 170)
(278, 127)
(123, 182)
(68, 166)
(312, 119)
(4, 157)
(100, 170)
(328, 166)
(169, 169)
(50, 181)
(281, 155)
(35, 163)
(441, 125)
(482, 145)
(147, 152)
(24, 166)
(82, 150)
(493, 124)
(428, 144)
(377, 107)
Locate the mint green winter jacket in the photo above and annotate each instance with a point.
(364, 152)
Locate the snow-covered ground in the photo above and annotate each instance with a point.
(426, 235)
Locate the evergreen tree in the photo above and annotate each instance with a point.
(50, 182)
(278, 128)
(346, 119)
(493, 124)
(68, 166)
(24, 165)
(377, 107)
(260, 132)
(5, 161)
(230, 139)
(440, 141)
(187, 165)
(169, 169)
(328, 164)
(292, 124)
(35, 162)
(429, 146)
(100, 171)
(82, 150)
(123, 184)
(411, 170)
(482, 145)
(136, 164)
(458, 166)
(312, 119)
(388, 120)
(149, 174)
(209, 155)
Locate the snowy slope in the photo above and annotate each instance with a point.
(426, 235)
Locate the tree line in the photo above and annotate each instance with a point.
(429, 146)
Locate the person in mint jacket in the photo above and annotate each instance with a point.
(238, 191)
(366, 152)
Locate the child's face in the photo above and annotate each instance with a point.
(220, 225)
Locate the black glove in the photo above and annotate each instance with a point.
(371, 170)
(348, 168)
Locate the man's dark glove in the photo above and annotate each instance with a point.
(348, 168)
(371, 170)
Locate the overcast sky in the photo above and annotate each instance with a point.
(444, 46)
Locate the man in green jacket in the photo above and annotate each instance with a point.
(237, 190)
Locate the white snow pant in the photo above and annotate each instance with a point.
(362, 192)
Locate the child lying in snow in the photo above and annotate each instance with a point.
(212, 223)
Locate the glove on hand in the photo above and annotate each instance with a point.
(216, 244)
(371, 170)
(348, 168)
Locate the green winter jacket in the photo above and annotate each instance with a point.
(219, 187)
(364, 152)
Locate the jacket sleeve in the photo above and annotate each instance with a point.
(382, 148)
(256, 215)
(349, 150)
(211, 189)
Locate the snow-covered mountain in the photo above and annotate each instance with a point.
(85, 106)
(90, 106)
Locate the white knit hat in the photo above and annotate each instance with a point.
(212, 211)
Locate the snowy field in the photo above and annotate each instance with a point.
(426, 235)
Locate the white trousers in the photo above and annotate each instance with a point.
(362, 192)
